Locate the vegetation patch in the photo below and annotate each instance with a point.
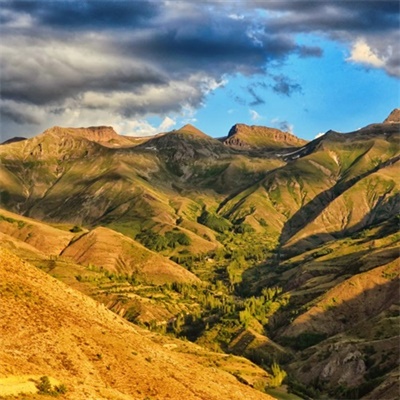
(215, 222)
(45, 387)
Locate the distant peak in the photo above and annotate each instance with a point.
(94, 133)
(188, 128)
(394, 117)
(253, 136)
(14, 140)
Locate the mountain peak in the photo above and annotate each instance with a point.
(94, 133)
(394, 117)
(188, 128)
(14, 140)
(246, 136)
(105, 135)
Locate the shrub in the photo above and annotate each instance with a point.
(322, 252)
(44, 385)
(278, 375)
(244, 228)
(62, 389)
(75, 229)
(213, 221)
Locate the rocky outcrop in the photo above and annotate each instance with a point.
(104, 135)
(243, 136)
(394, 117)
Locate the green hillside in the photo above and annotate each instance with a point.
(284, 253)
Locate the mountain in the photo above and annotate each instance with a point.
(104, 135)
(311, 198)
(282, 251)
(184, 144)
(13, 140)
(394, 117)
(246, 137)
(116, 253)
(99, 248)
(92, 353)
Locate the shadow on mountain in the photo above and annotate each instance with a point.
(351, 333)
(314, 208)
(272, 274)
(340, 316)
(377, 216)
(346, 345)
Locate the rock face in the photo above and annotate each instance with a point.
(394, 117)
(104, 135)
(345, 366)
(243, 136)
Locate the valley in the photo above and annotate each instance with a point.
(250, 266)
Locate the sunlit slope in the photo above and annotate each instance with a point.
(90, 350)
(245, 137)
(342, 317)
(101, 248)
(63, 175)
(338, 183)
(114, 252)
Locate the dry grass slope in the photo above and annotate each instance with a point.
(50, 329)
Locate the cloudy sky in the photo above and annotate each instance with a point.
(150, 66)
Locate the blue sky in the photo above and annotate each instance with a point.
(335, 94)
(147, 66)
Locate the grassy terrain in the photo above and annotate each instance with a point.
(289, 261)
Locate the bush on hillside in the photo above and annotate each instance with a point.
(213, 221)
(44, 387)
(157, 242)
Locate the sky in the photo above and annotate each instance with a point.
(146, 67)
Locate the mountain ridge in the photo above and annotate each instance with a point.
(247, 137)
(278, 236)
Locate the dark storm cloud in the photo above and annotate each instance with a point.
(377, 22)
(218, 46)
(133, 58)
(350, 15)
(19, 116)
(55, 51)
(284, 85)
(86, 14)
(257, 99)
(41, 76)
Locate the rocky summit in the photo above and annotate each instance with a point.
(257, 266)
(394, 117)
(243, 136)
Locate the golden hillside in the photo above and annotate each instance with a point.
(51, 330)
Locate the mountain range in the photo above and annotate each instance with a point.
(258, 245)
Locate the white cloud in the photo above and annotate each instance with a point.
(166, 124)
(236, 16)
(319, 135)
(254, 115)
(210, 84)
(141, 127)
(362, 53)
